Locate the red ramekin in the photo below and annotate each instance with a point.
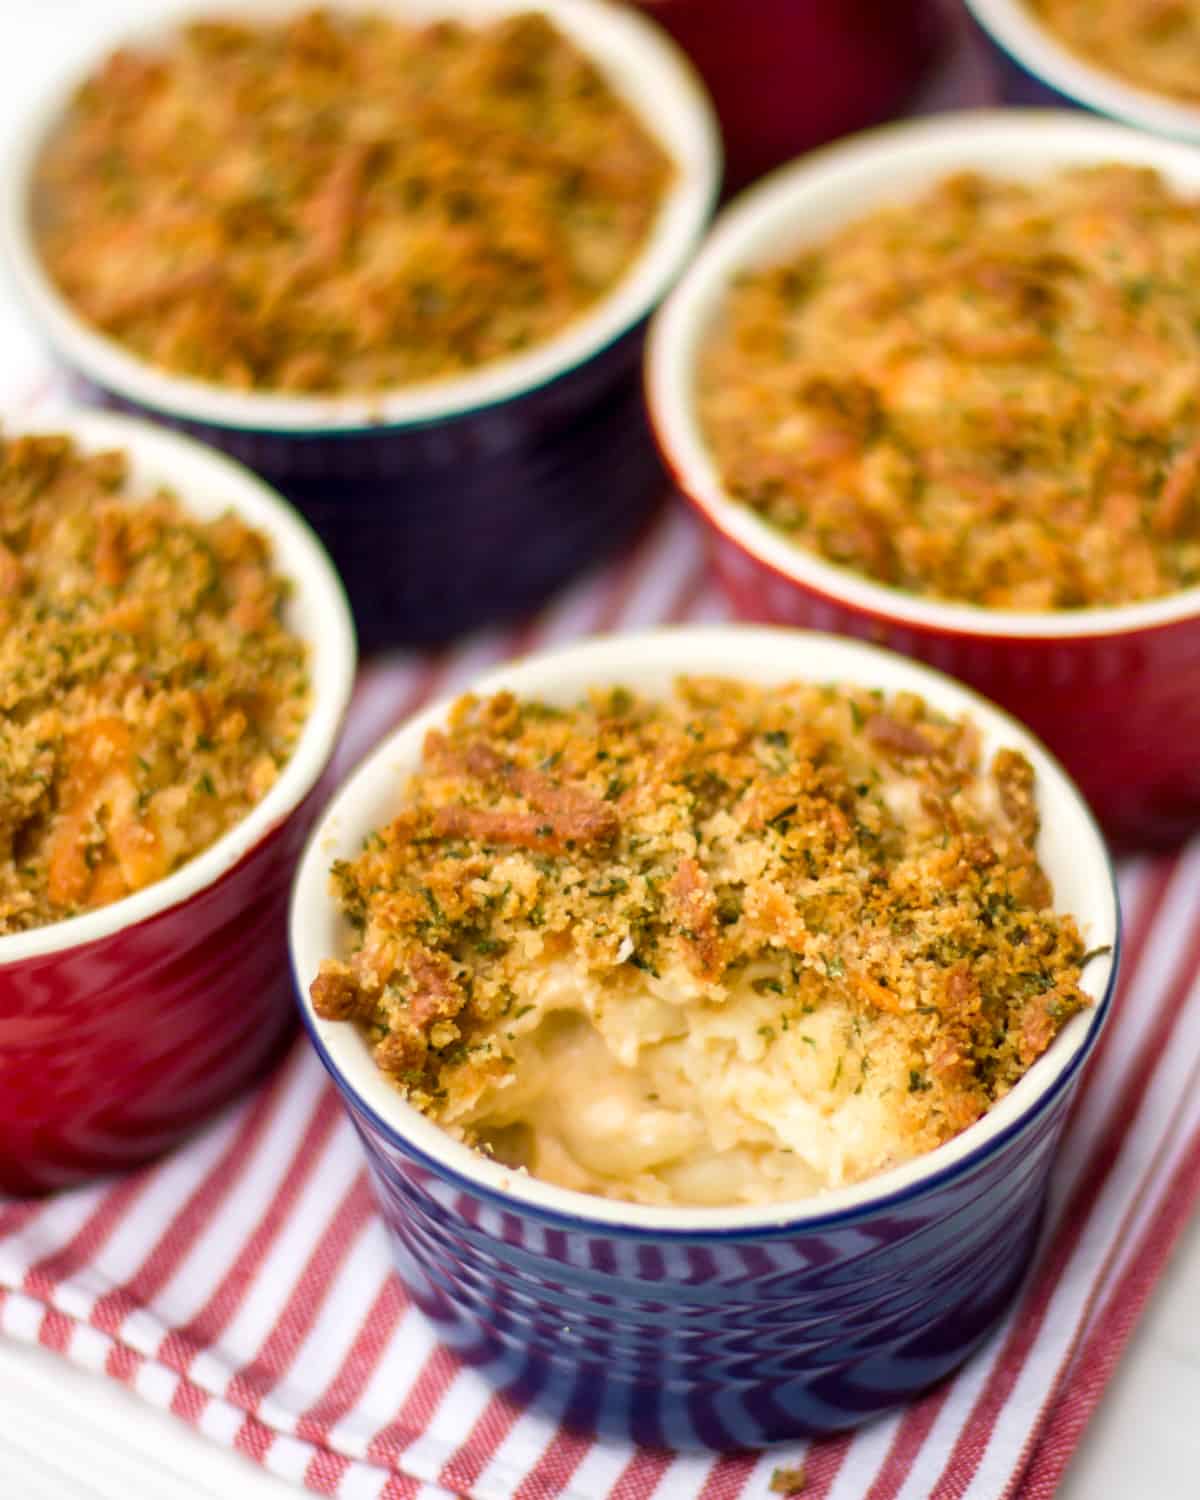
(788, 75)
(1115, 693)
(124, 1028)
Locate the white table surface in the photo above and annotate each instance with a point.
(1144, 1443)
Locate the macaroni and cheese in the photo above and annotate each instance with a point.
(149, 693)
(989, 394)
(339, 201)
(1152, 43)
(739, 945)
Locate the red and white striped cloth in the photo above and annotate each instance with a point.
(245, 1283)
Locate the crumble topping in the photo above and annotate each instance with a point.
(149, 693)
(1152, 43)
(601, 922)
(991, 394)
(342, 202)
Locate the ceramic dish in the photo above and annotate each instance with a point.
(788, 75)
(1035, 67)
(124, 1028)
(418, 492)
(1107, 689)
(720, 1327)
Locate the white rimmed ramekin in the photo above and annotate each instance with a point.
(1111, 691)
(125, 1027)
(726, 1327)
(1037, 68)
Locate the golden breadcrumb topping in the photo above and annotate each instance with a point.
(342, 202)
(991, 394)
(149, 693)
(1152, 43)
(763, 858)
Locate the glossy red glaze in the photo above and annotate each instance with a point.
(112, 1051)
(787, 75)
(1121, 711)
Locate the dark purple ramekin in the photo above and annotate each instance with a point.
(729, 1327)
(456, 503)
(1035, 68)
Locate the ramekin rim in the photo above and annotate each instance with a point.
(1013, 27)
(253, 499)
(671, 405)
(520, 1192)
(683, 216)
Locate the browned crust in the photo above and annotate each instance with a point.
(570, 816)
(337, 995)
(333, 209)
(340, 201)
(140, 717)
(1014, 777)
(722, 827)
(1178, 496)
(986, 394)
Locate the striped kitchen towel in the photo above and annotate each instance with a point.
(245, 1283)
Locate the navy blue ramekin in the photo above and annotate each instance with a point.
(459, 502)
(732, 1327)
(1035, 68)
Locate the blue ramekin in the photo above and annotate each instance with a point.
(733, 1327)
(459, 502)
(1035, 68)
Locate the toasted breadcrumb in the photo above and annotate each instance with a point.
(149, 693)
(1152, 43)
(782, 856)
(991, 394)
(340, 202)
(788, 1481)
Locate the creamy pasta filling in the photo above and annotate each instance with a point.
(648, 1090)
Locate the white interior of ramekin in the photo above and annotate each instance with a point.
(1017, 30)
(639, 60)
(208, 484)
(801, 205)
(1070, 847)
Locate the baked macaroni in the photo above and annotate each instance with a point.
(338, 201)
(149, 693)
(989, 394)
(739, 945)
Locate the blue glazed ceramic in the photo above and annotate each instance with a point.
(458, 502)
(1034, 68)
(731, 1327)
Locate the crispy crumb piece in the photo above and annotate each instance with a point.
(788, 1481)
